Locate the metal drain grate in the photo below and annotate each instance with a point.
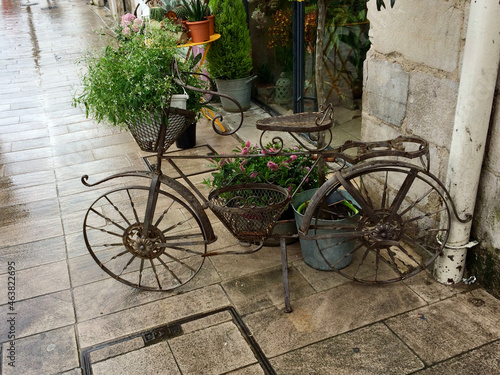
(170, 332)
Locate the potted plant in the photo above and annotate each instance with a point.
(196, 12)
(229, 59)
(339, 209)
(286, 170)
(130, 83)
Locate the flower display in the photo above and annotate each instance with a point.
(286, 169)
(259, 17)
(280, 33)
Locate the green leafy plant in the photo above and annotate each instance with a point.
(284, 170)
(230, 57)
(196, 10)
(131, 77)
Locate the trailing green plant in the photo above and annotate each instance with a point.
(230, 57)
(287, 170)
(196, 10)
(131, 77)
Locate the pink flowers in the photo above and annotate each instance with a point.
(130, 23)
(127, 19)
(272, 165)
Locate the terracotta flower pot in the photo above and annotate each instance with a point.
(199, 31)
(210, 19)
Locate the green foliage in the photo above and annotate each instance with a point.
(284, 170)
(196, 10)
(157, 13)
(131, 77)
(230, 57)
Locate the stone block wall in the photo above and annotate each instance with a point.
(411, 81)
(484, 260)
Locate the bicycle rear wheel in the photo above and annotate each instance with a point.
(168, 256)
(399, 225)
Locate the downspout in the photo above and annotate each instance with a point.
(472, 117)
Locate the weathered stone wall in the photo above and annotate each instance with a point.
(411, 81)
(485, 259)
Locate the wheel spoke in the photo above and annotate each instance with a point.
(108, 219)
(393, 259)
(156, 274)
(361, 262)
(385, 194)
(118, 210)
(365, 205)
(428, 214)
(170, 271)
(128, 264)
(176, 225)
(116, 256)
(133, 207)
(163, 214)
(403, 191)
(179, 261)
(104, 231)
(140, 271)
(417, 201)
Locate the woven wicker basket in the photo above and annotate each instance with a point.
(145, 130)
(249, 211)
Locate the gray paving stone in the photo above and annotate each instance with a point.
(113, 350)
(432, 291)
(119, 296)
(250, 370)
(37, 281)
(31, 210)
(28, 194)
(155, 359)
(230, 350)
(140, 318)
(484, 360)
(30, 230)
(32, 254)
(51, 352)
(451, 327)
(328, 314)
(261, 290)
(28, 166)
(32, 314)
(366, 351)
(234, 266)
(98, 166)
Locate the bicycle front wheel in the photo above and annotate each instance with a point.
(166, 257)
(394, 224)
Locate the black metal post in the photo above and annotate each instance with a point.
(298, 56)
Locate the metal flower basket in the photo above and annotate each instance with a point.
(249, 211)
(146, 130)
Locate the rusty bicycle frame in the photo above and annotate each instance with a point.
(383, 231)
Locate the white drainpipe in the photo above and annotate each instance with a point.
(474, 105)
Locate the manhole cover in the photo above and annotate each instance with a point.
(216, 342)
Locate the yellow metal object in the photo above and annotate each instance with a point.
(209, 114)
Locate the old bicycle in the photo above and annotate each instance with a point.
(155, 236)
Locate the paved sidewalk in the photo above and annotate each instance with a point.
(68, 314)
